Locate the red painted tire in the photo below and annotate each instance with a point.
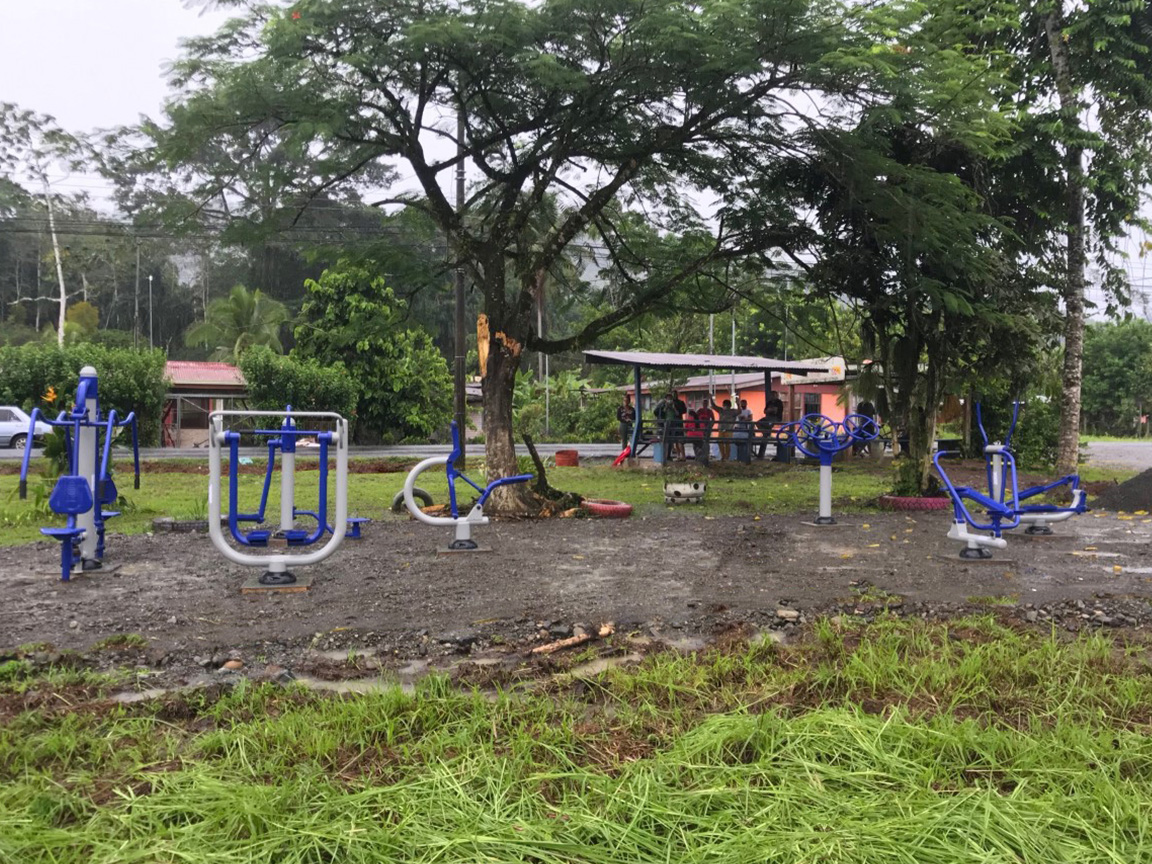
(607, 508)
(906, 503)
(567, 458)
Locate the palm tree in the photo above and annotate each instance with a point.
(234, 323)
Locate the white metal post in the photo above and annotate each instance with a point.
(86, 466)
(997, 475)
(825, 515)
(287, 477)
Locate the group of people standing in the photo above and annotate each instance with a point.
(734, 425)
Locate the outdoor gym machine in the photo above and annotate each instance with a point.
(1004, 513)
(1038, 517)
(82, 493)
(463, 541)
(285, 440)
(820, 437)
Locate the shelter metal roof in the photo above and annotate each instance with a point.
(702, 361)
(196, 373)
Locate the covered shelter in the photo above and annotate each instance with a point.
(639, 360)
(195, 389)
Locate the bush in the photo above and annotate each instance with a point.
(352, 317)
(1034, 443)
(129, 380)
(573, 413)
(275, 381)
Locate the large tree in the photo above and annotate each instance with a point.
(1085, 100)
(638, 116)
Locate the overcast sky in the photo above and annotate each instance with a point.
(93, 63)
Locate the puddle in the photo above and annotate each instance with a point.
(355, 685)
(130, 696)
(341, 655)
(602, 664)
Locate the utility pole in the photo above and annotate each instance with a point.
(136, 315)
(712, 351)
(150, 310)
(461, 350)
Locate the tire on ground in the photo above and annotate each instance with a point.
(417, 493)
(606, 508)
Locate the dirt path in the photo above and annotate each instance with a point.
(674, 577)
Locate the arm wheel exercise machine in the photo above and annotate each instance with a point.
(276, 565)
(463, 541)
(820, 437)
(81, 494)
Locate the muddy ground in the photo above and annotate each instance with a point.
(678, 578)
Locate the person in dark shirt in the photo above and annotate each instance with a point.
(774, 408)
(626, 416)
(773, 417)
(679, 409)
(865, 409)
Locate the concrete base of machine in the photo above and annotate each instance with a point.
(80, 575)
(252, 585)
(448, 550)
(979, 562)
(812, 524)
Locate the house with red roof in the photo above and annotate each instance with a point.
(195, 389)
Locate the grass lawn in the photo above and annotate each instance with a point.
(897, 742)
(733, 490)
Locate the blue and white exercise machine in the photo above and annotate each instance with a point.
(463, 541)
(820, 437)
(283, 440)
(1003, 504)
(83, 492)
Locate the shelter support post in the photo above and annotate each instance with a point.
(636, 406)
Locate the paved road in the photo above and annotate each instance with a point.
(1135, 455)
(404, 450)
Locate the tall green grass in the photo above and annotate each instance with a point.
(905, 742)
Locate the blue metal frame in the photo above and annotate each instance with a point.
(828, 436)
(105, 493)
(286, 444)
(1001, 517)
(1070, 480)
(453, 474)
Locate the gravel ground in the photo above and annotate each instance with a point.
(679, 578)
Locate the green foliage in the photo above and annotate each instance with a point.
(353, 318)
(129, 380)
(275, 381)
(573, 414)
(56, 456)
(85, 316)
(239, 321)
(1037, 436)
(1117, 375)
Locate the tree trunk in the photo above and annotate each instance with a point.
(497, 387)
(1068, 452)
(59, 266)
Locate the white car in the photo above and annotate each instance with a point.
(14, 427)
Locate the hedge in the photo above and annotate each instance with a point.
(275, 381)
(130, 380)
